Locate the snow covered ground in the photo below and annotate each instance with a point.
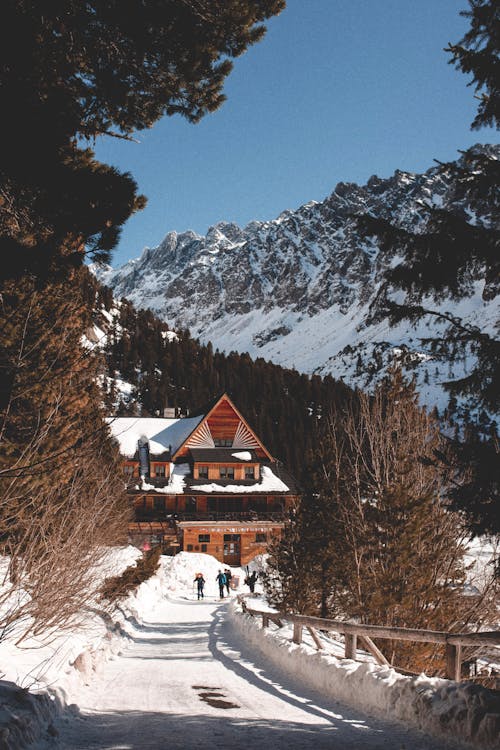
(166, 671)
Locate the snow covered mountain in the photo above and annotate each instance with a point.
(300, 290)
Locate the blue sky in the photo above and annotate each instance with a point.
(338, 90)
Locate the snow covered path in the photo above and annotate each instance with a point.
(188, 681)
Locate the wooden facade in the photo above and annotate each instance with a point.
(204, 484)
(227, 541)
(204, 505)
(223, 425)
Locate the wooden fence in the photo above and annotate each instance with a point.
(361, 635)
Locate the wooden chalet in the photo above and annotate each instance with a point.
(203, 483)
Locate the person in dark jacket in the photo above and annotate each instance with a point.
(250, 581)
(200, 584)
(221, 580)
(228, 575)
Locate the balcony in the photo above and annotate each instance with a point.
(278, 515)
(142, 514)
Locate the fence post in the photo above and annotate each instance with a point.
(350, 645)
(453, 661)
(265, 620)
(297, 632)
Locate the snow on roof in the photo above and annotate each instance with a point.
(162, 434)
(176, 482)
(269, 483)
(243, 455)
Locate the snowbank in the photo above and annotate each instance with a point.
(44, 673)
(42, 676)
(181, 570)
(440, 707)
(23, 716)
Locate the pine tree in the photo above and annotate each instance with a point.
(454, 251)
(71, 72)
(372, 539)
(477, 55)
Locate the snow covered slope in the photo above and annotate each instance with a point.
(299, 290)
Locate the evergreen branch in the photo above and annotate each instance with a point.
(112, 134)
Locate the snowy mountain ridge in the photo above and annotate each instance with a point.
(301, 290)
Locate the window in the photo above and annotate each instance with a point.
(190, 548)
(223, 442)
(261, 537)
(128, 470)
(204, 537)
(226, 472)
(159, 470)
(203, 547)
(203, 472)
(249, 472)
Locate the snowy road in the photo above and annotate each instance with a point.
(187, 681)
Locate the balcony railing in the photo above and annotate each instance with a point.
(231, 516)
(142, 514)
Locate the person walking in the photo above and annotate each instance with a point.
(221, 580)
(200, 584)
(250, 581)
(228, 575)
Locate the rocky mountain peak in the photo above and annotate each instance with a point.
(301, 289)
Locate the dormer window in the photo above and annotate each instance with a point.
(249, 472)
(226, 472)
(203, 472)
(223, 442)
(160, 470)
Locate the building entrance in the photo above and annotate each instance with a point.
(232, 549)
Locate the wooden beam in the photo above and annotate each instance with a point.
(315, 638)
(453, 661)
(486, 638)
(367, 642)
(276, 620)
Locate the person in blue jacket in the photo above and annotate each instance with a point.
(221, 580)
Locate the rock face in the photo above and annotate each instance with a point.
(300, 290)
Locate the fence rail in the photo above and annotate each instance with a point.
(354, 632)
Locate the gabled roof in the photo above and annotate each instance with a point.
(162, 434)
(223, 456)
(200, 436)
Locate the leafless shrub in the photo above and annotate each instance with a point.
(62, 499)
